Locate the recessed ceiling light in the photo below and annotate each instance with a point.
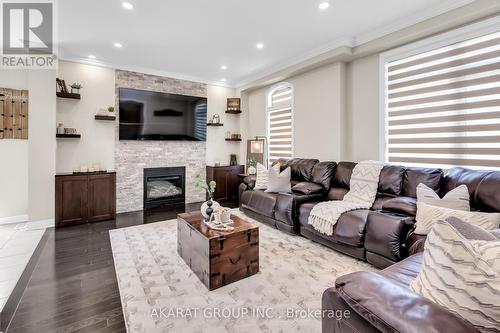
(260, 45)
(117, 45)
(127, 5)
(222, 80)
(324, 5)
(91, 56)
(223, 67)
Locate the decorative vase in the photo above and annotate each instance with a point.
(206, 208)
(251, 170)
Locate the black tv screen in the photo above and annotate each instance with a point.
(148, 115)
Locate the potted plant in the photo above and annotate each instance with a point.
(208, 207)
(252, 165)
(111, 109)
(75, 88)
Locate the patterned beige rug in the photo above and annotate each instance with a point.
(159, 292)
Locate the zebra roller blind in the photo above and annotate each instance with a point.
(280, 124)
(443, 106)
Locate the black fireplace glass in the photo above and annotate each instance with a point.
(164, 186)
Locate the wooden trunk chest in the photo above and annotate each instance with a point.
(218, 258)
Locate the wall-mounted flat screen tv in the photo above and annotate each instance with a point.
(148, 115)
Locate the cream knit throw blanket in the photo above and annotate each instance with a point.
(363, 184)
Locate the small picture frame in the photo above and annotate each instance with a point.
(233, 104)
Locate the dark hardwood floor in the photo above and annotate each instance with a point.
(73, 287)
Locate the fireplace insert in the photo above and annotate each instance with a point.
(164, 186)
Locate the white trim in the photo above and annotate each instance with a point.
(144, 70)
(14, 219)
(470, 31)
(343, 41)
(383, 119)
(357, 40)
(269, 108)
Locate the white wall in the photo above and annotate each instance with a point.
(363, 115)
(218, 150)
(13, 177)
(27, 174)
(97, 144)
(319, 112)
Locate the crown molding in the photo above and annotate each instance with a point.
(320, 55)
(144, 70)
(338, 50)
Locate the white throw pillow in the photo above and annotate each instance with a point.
(427, 215)
(461, 275)
(263, 176)
(279, 181)
(458, 198)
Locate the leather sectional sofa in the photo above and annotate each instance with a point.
(383, 236)
(382, 301)
(378, 235)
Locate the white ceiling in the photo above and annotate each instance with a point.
(191, 39)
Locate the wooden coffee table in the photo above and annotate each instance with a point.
(218, 258)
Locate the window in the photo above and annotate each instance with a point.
(443, 105)
(280, 123)
(200, 121)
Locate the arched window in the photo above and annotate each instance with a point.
(280, 122)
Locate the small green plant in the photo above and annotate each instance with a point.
(252, 162)
(200, 183)
(77, 86)
(111, 109)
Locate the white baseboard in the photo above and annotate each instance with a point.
(14, 219)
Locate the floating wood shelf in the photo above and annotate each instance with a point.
(103, 117)
(233, 139)
(74, 136)
(233, 111)
(214, 124)
(67, 95)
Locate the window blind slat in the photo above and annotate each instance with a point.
(447, 54)
(446, 65)
(448, 86)
(451, 150)
(447, 97)
(444, 76)
(446, 129)
(447, 161)
(457, 139)
(450, 107)
(459, 117)
(443, 106)
(280, 124)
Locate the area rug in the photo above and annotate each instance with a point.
(159, 292)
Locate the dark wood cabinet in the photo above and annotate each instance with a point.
(85, 198)
(227, 181)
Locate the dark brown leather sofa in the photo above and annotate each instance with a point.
(382, 301)
(377, 235)
(383, 236)
(310, 182)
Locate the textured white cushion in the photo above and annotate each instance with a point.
(427, 215)
(263, 176)
(462, 275)
(458, 198)
(279, 181)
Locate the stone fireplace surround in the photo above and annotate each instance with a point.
(131, 157)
